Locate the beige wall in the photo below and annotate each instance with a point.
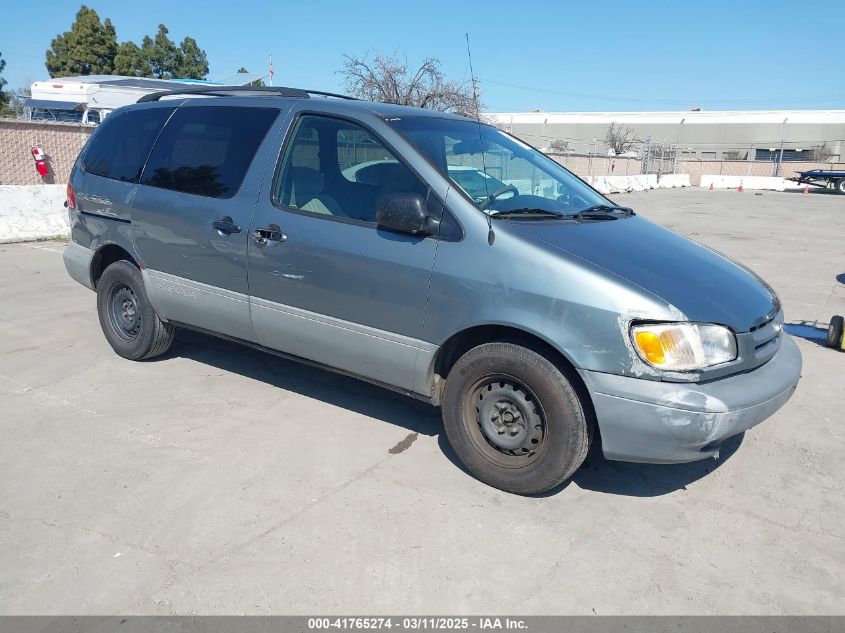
(60, 142)
(697, 168)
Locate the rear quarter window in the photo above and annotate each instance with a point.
(206, 150)
(121, 144)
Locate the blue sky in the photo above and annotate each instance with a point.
(556, 55)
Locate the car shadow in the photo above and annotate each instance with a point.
(816, 191)
(647, 480)
(597, 473)
(312, 382)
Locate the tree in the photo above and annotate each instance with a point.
(5, 110)
(258, 82)
(130, 61)
(162, 54)
(166, 60)
(90, 48)
(620, 138)
(194, 61)
(87, 49)
(389, 79)
(559, 145)
(16, 106)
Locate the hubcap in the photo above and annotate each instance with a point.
(124, 314)
(508, 416)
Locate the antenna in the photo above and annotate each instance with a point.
(491, 236)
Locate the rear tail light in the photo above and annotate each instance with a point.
(71, 197)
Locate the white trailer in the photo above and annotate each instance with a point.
(89, 99)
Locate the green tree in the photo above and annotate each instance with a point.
(162, 54)
(130, 61)
(194, 61)
(89, 47)
(5, 110)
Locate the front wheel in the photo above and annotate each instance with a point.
(835, 332)
(127, 318)
(840, 186)
(514, 419)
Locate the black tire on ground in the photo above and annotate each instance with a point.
(514, 419)
(129, 322)
(834, 332)
(839, 185)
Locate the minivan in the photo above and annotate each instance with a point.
(433, 255)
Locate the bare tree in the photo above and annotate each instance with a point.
(389, 79)
(22, 92)
(821, 153)
(620, 138)
(559, 145)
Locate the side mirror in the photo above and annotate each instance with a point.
(403, 212)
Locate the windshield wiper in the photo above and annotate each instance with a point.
(526, 211)
(603, 212)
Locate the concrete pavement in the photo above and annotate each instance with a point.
(221, 480)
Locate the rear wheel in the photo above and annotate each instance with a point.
(514, 419)
(127, 318)
(834, 332)
(840, 186)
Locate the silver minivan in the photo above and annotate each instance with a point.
(433, 255)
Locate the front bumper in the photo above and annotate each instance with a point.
(664, 422)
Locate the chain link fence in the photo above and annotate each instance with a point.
(592, 158)
(62, 142)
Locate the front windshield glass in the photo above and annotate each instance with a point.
(496, 171)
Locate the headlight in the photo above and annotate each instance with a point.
(683, 346)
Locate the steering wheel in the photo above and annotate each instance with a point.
(501, 190)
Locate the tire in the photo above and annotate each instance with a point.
(127, 318)
(498, 387)
(834, 332)
(839, 185)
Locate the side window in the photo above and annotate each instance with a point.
(206, 150)
(120, 146)
(338, 168)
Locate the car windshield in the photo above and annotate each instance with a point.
(499, 173)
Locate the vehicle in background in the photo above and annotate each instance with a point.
(475, 183)
(826, 178)
(89, 99)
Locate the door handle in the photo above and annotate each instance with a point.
(268, 234)
(226, 226)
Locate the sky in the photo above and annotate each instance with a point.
(553, 56)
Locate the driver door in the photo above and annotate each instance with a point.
(325, 282)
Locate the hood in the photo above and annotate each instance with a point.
(699, 282)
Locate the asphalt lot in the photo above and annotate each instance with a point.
(222, 480)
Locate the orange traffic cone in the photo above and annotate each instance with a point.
(806, 190)
(711, 186)
(740, 187)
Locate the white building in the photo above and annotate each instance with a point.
(751, 134)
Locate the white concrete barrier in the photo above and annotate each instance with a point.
(769, 183)
(671, 181)
(642, 182)
(32, 212)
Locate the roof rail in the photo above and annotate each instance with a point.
(225, 91)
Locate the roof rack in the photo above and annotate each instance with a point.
(225, 91)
